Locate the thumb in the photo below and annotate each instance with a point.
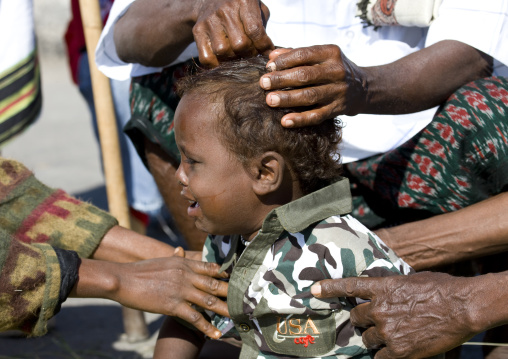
(179, 252)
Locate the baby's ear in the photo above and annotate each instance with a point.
(269, 172)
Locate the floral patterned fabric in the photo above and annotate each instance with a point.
(459, 159)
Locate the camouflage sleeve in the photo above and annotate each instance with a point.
(29, 285)
(382, 260)
(32, 212)
(213, 249)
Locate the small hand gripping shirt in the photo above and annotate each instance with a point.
(300, 243)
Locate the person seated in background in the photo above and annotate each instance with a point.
(432, 182)
(277, 210)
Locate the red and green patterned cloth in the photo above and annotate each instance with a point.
(459, 159)
(34, 221)
(153, 105)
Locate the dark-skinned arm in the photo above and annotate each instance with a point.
(475, 231)
(332, 85)
(123, 245)
(424, 314)
(162, 285)
(154, 32)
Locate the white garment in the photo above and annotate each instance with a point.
(17, 32)
(298, 23)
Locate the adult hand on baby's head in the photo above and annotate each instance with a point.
(415, 316)
(326, 84)
(226, 29)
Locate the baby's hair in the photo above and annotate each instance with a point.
(249, 127)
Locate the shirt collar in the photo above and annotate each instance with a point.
(297, 215)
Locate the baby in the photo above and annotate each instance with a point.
(277, 211)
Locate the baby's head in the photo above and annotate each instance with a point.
(248, 127)
(238, 162)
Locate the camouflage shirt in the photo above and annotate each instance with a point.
(300, 243)
(34, 220)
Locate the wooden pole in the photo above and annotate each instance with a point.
(134, 321)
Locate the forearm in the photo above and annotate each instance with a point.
(97, 279)
(123, 245)
(474, 231)
(423, 79)
(159, 42)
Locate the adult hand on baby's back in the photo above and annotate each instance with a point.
(170, 285)
(415, 316)
(326, 84)
(226, 29)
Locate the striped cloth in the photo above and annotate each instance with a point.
(20, 96)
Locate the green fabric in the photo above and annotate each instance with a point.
(153, 104)
(307, 240)
(459, 159)
(33, 219)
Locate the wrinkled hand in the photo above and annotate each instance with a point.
(226, 29)
(413, 316)
(169, 285)
(326, 84)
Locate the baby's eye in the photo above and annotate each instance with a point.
(190, 161)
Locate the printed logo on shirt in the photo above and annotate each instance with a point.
(299, 334)
(387, 6)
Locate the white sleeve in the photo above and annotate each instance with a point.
(480, 24)
(107, 59)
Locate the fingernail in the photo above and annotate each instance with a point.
(266, 83)
(271, 66)
(288, 123)
(316, 290)
(217, 334)
(274, 100)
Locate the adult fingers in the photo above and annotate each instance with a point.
(301, 76)
(210, 285)
(206, 269)
(239, 42)
(364, 288)
(179, 252)
(254, 17)
(308, 96)
(372, 339)
(360, 315)
(189, 314)
(206, 53)
(276, 53)
(220, 41)
(194, 255)
(383, 354)
(307, 118)
(303, 56)
(207, 301)
(265, 13)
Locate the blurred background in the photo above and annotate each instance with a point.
(60, 148)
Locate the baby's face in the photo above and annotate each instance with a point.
(215, 183)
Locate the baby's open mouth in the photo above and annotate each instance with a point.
(194, 204)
